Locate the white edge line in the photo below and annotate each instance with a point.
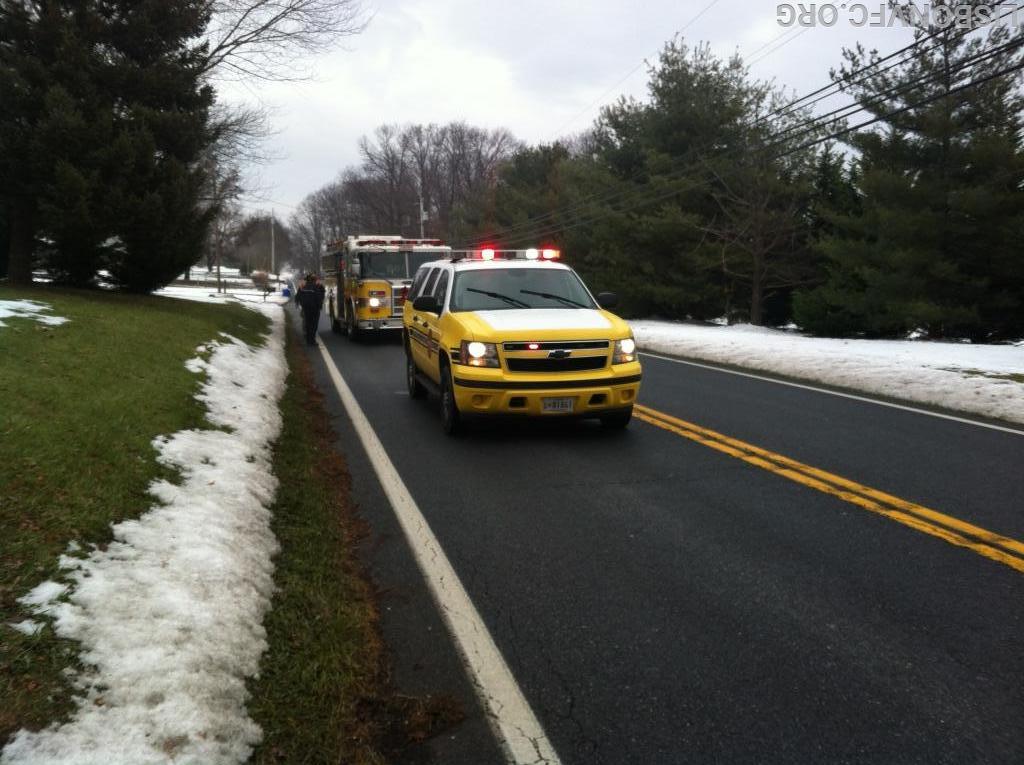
(511, 717)
(836, 393)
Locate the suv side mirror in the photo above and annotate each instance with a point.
(426, 303)
(607, 300)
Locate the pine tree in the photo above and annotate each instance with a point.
(726, 231)
(99, 149)
(162, 131)
(50, 124)
(935, 244)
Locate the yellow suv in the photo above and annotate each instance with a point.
(507, 332)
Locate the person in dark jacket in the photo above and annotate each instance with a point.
(321, 291)
(311, 302)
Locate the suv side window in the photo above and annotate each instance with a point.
(441, 288)
(417, 283)
(428, 288)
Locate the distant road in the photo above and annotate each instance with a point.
(751, 573)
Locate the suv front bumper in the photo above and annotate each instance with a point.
(495, 394)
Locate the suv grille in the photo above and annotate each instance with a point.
(556, 365)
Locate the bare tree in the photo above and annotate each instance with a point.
(761, 229)
(453, 166)
(223, 187)
(261, 39)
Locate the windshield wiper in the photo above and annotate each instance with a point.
(549, 296)
(499, 296)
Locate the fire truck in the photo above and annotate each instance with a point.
(367, 279)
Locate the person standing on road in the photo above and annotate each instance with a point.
(310, 301)
(321, 291)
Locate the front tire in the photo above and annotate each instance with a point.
(335, 322)
(617, 420)
(351, 326)
(450, 418)
(416, 389)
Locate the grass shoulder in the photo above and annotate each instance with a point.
(82, 403)
(323, 694)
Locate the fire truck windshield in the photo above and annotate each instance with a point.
(382, 265)
(417, 259)
(395, 265)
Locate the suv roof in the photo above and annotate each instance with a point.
(474, 265)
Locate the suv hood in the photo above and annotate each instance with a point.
(531, 323)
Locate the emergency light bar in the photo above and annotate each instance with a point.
(490, 253)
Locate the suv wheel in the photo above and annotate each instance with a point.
(416, 389)
(449, 409)
(617, 420)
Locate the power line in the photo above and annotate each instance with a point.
(776, 49)
(857, 77)
(550, 230)
(781, 111)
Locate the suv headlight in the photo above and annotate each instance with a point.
(625, 351)
(476, 354)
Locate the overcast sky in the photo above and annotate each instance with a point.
(536, 67)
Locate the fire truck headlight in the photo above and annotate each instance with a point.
(374, 302)
(625, 351)
(476, 354)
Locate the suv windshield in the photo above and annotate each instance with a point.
(493, 289)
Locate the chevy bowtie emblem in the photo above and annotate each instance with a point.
(559, 354)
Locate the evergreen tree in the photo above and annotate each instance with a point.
(105, 119)
(935, 244)
(162, 131)
(49, 124)
(4, 241)
(702, 216)
(834, 185)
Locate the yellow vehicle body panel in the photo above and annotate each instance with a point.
(511, 388)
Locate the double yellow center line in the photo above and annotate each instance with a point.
(993, 546)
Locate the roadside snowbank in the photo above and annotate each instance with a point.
(968, 378)
(169, 616)
(28, 309)
(206, 295)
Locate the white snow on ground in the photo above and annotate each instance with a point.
(28, 309)
(207, 295)
(958, 376)
(27, 627)
(169, 616)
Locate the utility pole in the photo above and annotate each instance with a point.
(423, 215)
(273, 269)
(216, 240)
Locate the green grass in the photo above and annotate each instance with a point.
(1009, 377)
(79, 406)
(323, 694)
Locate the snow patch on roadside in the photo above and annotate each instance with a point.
(963, 377)
(236, 295)
(28, 309)
(169, 615)
(27, 627)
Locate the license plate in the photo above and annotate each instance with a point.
(557, 404)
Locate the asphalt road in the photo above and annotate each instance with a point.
(659, 601)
